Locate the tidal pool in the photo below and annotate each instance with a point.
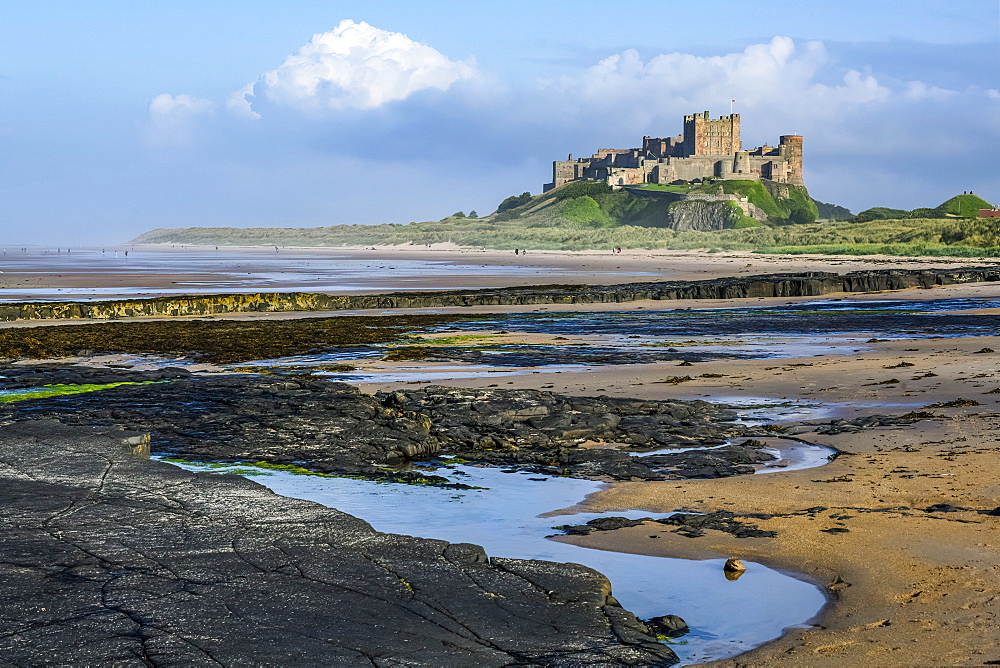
(726, 617)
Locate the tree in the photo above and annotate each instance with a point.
(514, 201)
(473, 214)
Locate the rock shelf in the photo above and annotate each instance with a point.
(334, 428)
(111, 559)
(807, 284)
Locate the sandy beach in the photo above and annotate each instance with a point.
(148, 271)
(906, 586)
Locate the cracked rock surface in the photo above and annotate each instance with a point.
(108, 558)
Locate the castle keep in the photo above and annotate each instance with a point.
(708, 148)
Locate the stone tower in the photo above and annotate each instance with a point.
(705, 136)
(791, 145)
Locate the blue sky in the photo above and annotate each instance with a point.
(118, 116)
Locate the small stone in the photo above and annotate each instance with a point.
(943, 508)
(734, 565)
(671, 626)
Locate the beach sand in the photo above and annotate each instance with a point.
(155, 270)
(907, 587)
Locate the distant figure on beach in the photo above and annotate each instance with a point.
(516, 251)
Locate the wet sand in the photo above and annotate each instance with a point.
(908, 586)
(160, 270)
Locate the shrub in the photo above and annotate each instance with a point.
(514, 201)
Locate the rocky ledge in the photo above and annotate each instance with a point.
(807, 284)
(110, 559)
(333, 428)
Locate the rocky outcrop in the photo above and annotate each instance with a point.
(333, 428)
(695, 214)
(110, 559)
(809, 284)
(690, 525)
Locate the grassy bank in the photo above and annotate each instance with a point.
(589, 215)
(960, 237)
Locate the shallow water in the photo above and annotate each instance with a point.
(791, 455)
(888, 319)
(630, 337)
(726, 617)
(229, 271)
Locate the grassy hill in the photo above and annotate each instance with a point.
(959, 206)
(589, 215)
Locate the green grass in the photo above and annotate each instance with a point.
(959, 206)
(955, 236)
(666, 187)
(585, 211)
(590, 215)
(964, 206)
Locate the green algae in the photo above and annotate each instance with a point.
(449, 340)
(59, 390)
(216, 341)
(264, 467)
(409, 353)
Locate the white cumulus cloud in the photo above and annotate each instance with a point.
(172, 118)
(777, 76)
(170, 106)
(354, 66)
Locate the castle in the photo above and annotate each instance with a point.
(708, 148)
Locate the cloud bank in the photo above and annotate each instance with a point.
(360, 95)
(356, 66)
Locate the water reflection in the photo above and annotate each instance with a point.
(726, 617)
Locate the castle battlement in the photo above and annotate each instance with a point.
(708, 148)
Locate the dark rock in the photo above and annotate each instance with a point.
(603, 524)
(694, 526)
(836, 530)
(870, 422)
(333, 428)
(806, 284)
(943, 508)
(110, 559)
(671, 626)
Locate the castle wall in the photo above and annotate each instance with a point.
(568, 170)
(708, 148)
(793, 152)
(706, 136)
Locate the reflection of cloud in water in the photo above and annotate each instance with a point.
(726, 617)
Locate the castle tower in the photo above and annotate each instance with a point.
(741, 163)
(792, 145)
(705, 136)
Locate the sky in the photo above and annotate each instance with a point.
(117, 117)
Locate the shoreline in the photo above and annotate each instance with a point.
(886, 559)
(157, 270)
(756, 286)
(909, 578)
